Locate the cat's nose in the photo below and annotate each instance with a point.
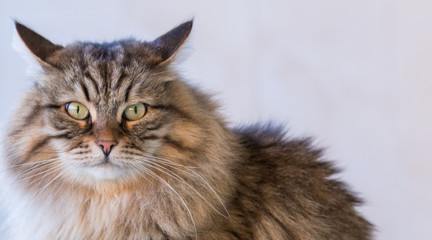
(106, 145)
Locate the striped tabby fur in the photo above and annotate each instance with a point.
(176, 173)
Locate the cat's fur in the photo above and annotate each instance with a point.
(181, 173)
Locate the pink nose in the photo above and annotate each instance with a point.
(106, 145)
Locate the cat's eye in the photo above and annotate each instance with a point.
(134, 112)
(77, 111)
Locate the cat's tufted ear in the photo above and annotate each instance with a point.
(41, 48)
(170, 43)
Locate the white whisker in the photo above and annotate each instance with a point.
(191, 171)
(37, 165)
(154, 175)
(46, 185)
(39, 173)
(176, 176)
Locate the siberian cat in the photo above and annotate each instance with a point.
(111, 144)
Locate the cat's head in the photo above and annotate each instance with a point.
(113, 112)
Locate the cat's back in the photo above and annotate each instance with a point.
(286, 190)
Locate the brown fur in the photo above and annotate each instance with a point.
(207, 181)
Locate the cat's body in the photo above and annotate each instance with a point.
(174, 172)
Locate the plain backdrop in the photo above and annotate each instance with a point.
(355, 74)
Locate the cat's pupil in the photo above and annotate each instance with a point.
(136, 110)
(78, 109)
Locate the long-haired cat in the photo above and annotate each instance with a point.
(111, 144)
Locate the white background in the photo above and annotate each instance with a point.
(355, 74)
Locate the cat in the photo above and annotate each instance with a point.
(111, 144)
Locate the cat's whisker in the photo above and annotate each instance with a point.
(34, 162)
(43, 188)
(41, 175)
(176, 176)
(70, 164)
(32, 197)
(168, 161)
(190, 171)
(209, 186)
(34, 165)
(51, 193)
(30, 170)
(174, 163)
(131, 166)
(55, 152)
(137, 152)
(154, 175)
(140, 152)
(162, 160)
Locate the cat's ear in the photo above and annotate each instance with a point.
(170, 43)
(41, 48)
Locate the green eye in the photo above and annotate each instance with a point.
(135, 112)
(77, 111)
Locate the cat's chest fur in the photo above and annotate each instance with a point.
(124, 216)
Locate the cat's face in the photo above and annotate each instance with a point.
(110, 114)
(112, 111)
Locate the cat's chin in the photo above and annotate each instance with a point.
(105, 171)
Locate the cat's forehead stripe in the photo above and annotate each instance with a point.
(92, 81)
(104, 71)
(120, 80)
(85, 90)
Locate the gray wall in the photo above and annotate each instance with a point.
(354, 74)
